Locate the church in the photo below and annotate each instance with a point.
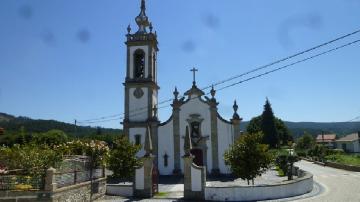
(211, 135)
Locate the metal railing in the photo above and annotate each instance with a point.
(68, 178)
(22, 180)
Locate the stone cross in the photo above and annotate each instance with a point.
(194, 70)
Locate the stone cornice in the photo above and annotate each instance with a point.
(142, 39)
(141, 83)
(134, 124)
(222, 119)
(167, 121)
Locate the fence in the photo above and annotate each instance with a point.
(67, 178)
(73, 170)
(22, 180)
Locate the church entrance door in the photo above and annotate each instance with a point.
(198, 154)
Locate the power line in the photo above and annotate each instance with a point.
(283, 59)
(291, 64)
(356, 118)
(106, 118)
(256, 76)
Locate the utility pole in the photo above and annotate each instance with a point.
(75, 129)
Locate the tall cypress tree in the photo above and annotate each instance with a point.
(268, 126)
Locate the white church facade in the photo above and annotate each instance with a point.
(211, 135)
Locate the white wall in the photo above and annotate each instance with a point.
(357, 146)
(195, 179)
(225, 139)
(139, 178)
(166, 145)
(255, 193)
(135, 104)
(138, 131)
(119, 189)
(195, 106)
(132, 50)
(352, 146)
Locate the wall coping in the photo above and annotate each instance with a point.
(121, 184)
(296, 180)
(62, 189)
(335, 165)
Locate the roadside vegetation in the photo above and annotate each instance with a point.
(346, 159)
(31, 154)
(307, 147)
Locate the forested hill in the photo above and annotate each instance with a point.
(297, 128)
(13, 124)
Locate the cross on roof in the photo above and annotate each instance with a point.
(194, 70)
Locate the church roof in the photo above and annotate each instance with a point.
(194, 90)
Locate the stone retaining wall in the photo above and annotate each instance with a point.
(119, 189)
(302, 185)
(78, 192)
(335, 165)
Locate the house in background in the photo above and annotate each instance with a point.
(328, 140)
(349, 143)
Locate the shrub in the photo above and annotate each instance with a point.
(318, 152)
(97, 150)
(301, 153)
(122, 160)
(334, 151)
(32, 159)
(286, 162)
(248, 158)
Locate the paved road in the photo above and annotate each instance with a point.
(339, 185)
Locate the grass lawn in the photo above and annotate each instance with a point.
(347, 159)
(161, 194)
(280, 172)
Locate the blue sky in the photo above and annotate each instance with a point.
(65, 60)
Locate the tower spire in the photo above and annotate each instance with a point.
(142, 20)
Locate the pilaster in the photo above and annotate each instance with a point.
(214, 139)
(142, 185)
(236, 128)
(194, 183)
(176, 133)
(155, 139)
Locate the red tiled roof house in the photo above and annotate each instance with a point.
(328, 140)
(349, 143)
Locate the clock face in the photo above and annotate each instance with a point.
(138, 93)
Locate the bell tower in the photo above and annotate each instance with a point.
(141, 89)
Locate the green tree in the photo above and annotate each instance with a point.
(122, 160)
(248, 158)
(254, 125)
(284, 133)
(318, 152)
(268, 127)
(52, 137)
(305, 142)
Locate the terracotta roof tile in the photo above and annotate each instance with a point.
(349, 138)
(326, 138)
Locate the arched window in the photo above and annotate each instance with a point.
(139, 64)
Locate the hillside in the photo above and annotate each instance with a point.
(13, 124)
(314, 128)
